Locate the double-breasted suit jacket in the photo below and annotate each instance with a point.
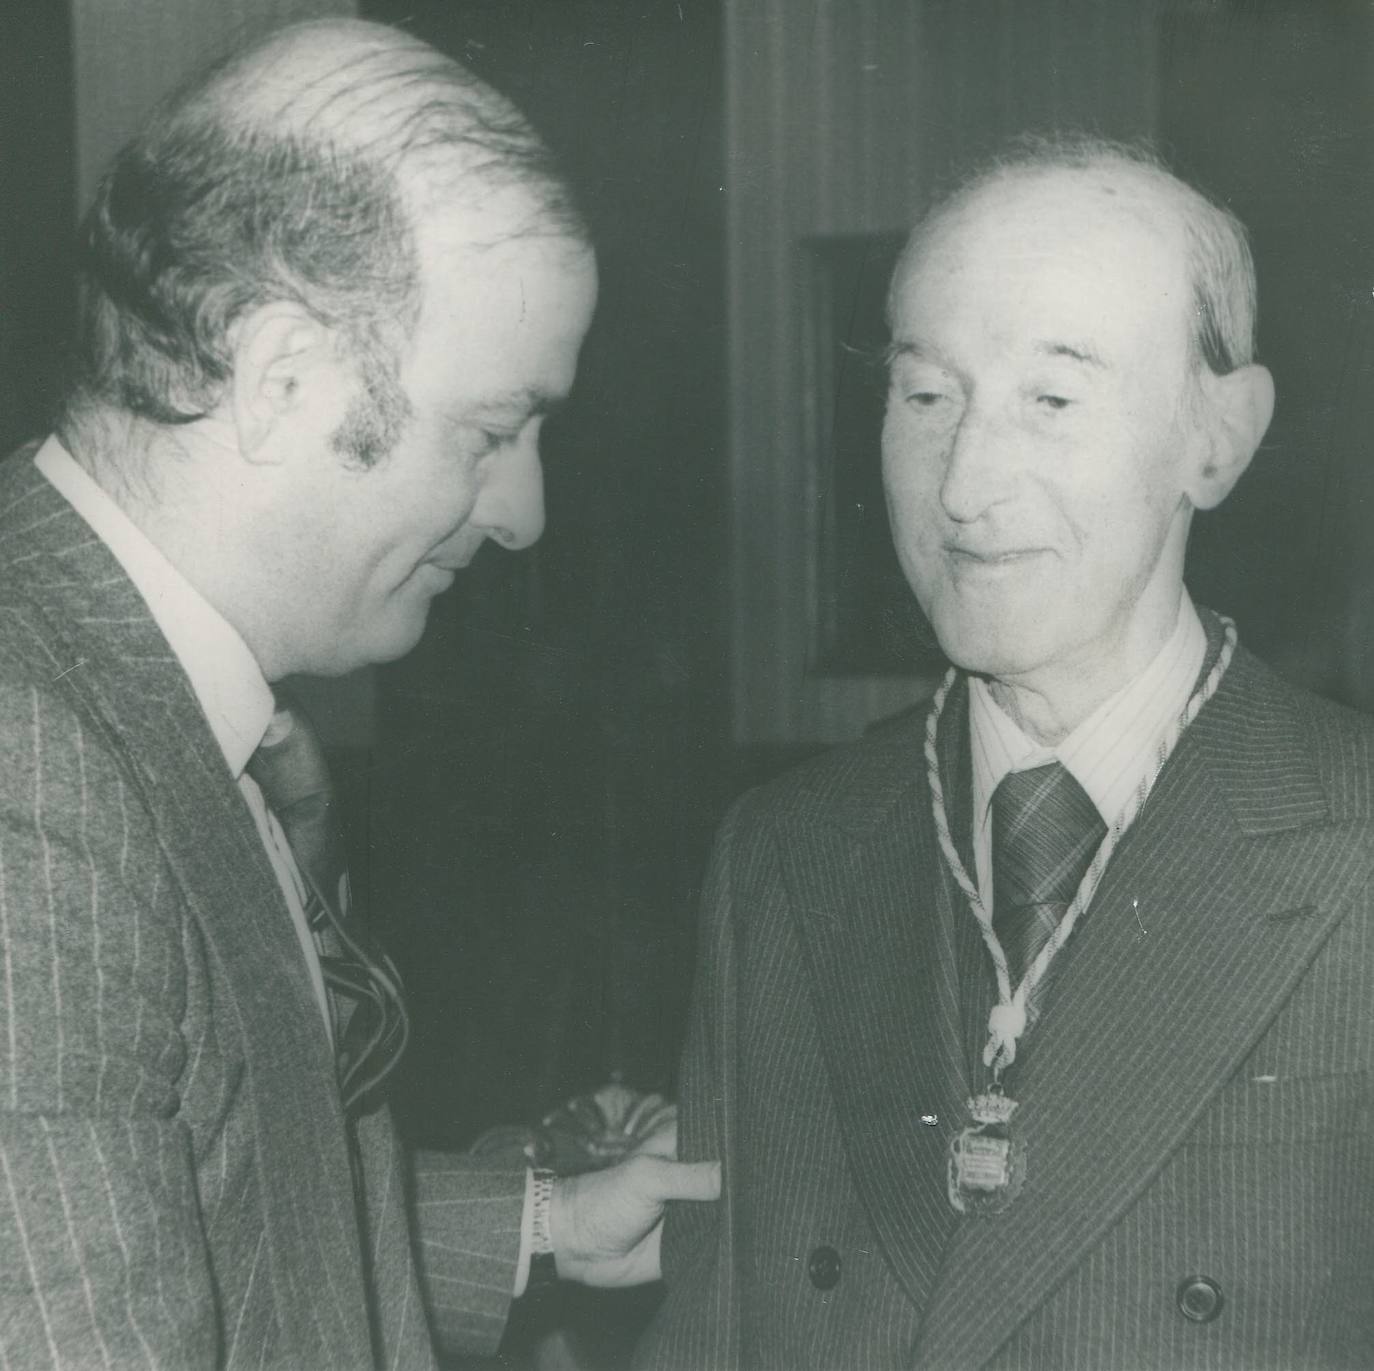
(1195, 1101)
(175, 1186)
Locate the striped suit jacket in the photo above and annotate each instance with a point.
(1195, 1100)
(175, 1184)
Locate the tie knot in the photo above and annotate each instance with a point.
(290, 769)
(289, 764)
(1045, 829)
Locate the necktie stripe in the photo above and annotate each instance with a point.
(1045, 830)
(365, 993)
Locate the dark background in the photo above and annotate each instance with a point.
(37, 213)
(550, 761)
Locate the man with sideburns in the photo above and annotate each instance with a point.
(1032, 1030)
(329, 294)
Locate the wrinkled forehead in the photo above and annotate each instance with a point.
(488, 229)
(1062, 244)
(488, 290)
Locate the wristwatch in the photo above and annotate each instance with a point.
(543, 1268)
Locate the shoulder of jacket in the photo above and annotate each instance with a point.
(887, 760)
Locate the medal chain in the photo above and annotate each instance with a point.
(1009, 1019)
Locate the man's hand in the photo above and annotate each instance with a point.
(607, 1225)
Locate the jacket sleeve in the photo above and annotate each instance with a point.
(467, 1220)
(698, 1327)
(102, 1254)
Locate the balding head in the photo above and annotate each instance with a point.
(1214, 244)
(393, 102)
(302, 169)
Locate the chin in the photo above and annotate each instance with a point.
(391, 647)
(401, 634)
(991, 647)
(354, 651)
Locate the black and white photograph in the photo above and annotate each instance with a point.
(687, 685)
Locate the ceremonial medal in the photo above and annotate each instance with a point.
(987, 1164)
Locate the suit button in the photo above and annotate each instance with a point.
(824, 1268)
(1199, 1298)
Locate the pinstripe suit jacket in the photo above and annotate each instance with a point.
(1194, 1102)
(174, 1178)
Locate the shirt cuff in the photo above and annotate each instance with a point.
(522, 1265)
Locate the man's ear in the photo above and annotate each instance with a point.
(1237, 408)
(276, 350)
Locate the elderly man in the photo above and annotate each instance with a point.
(1033, 1031)
(330, 294)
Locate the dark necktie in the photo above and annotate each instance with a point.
(364, 988)
(1045, 830)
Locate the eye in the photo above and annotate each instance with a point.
(923, 389)
(1053, 401)
(492, 440)
(924, 397)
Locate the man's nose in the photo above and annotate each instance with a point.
(510, 506)
(976, 473)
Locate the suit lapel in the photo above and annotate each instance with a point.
(1237, 877)
(875, 918)
(110, 656)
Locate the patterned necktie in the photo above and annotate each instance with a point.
(364, 988)
(1045, 830)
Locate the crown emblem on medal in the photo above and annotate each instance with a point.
(991, 1108)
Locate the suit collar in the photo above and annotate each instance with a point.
(876, 922)
(61, 586)
(1253, 745)
(1250, 723)
(883, 772)
(1237, 879)
(222, 671)
(1211, 910)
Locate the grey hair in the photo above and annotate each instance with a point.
(1225, 304)
(293, 171)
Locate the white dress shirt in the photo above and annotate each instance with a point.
(1109, 753)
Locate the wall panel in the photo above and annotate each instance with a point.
(129, 53)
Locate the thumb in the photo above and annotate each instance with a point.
(685, 1180)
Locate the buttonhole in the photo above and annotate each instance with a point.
(1264, 1080)
(1284, 916)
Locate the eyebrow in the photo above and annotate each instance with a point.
(1080, 353)
(895, 350)
(1075, 353)
(523, 400)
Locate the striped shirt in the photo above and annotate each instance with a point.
(1109, 753)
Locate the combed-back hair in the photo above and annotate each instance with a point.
(1220, 267)
(229, 199)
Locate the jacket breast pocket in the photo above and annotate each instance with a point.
(1277, 1110)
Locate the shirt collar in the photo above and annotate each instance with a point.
(1115, 747)
(225, 676)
